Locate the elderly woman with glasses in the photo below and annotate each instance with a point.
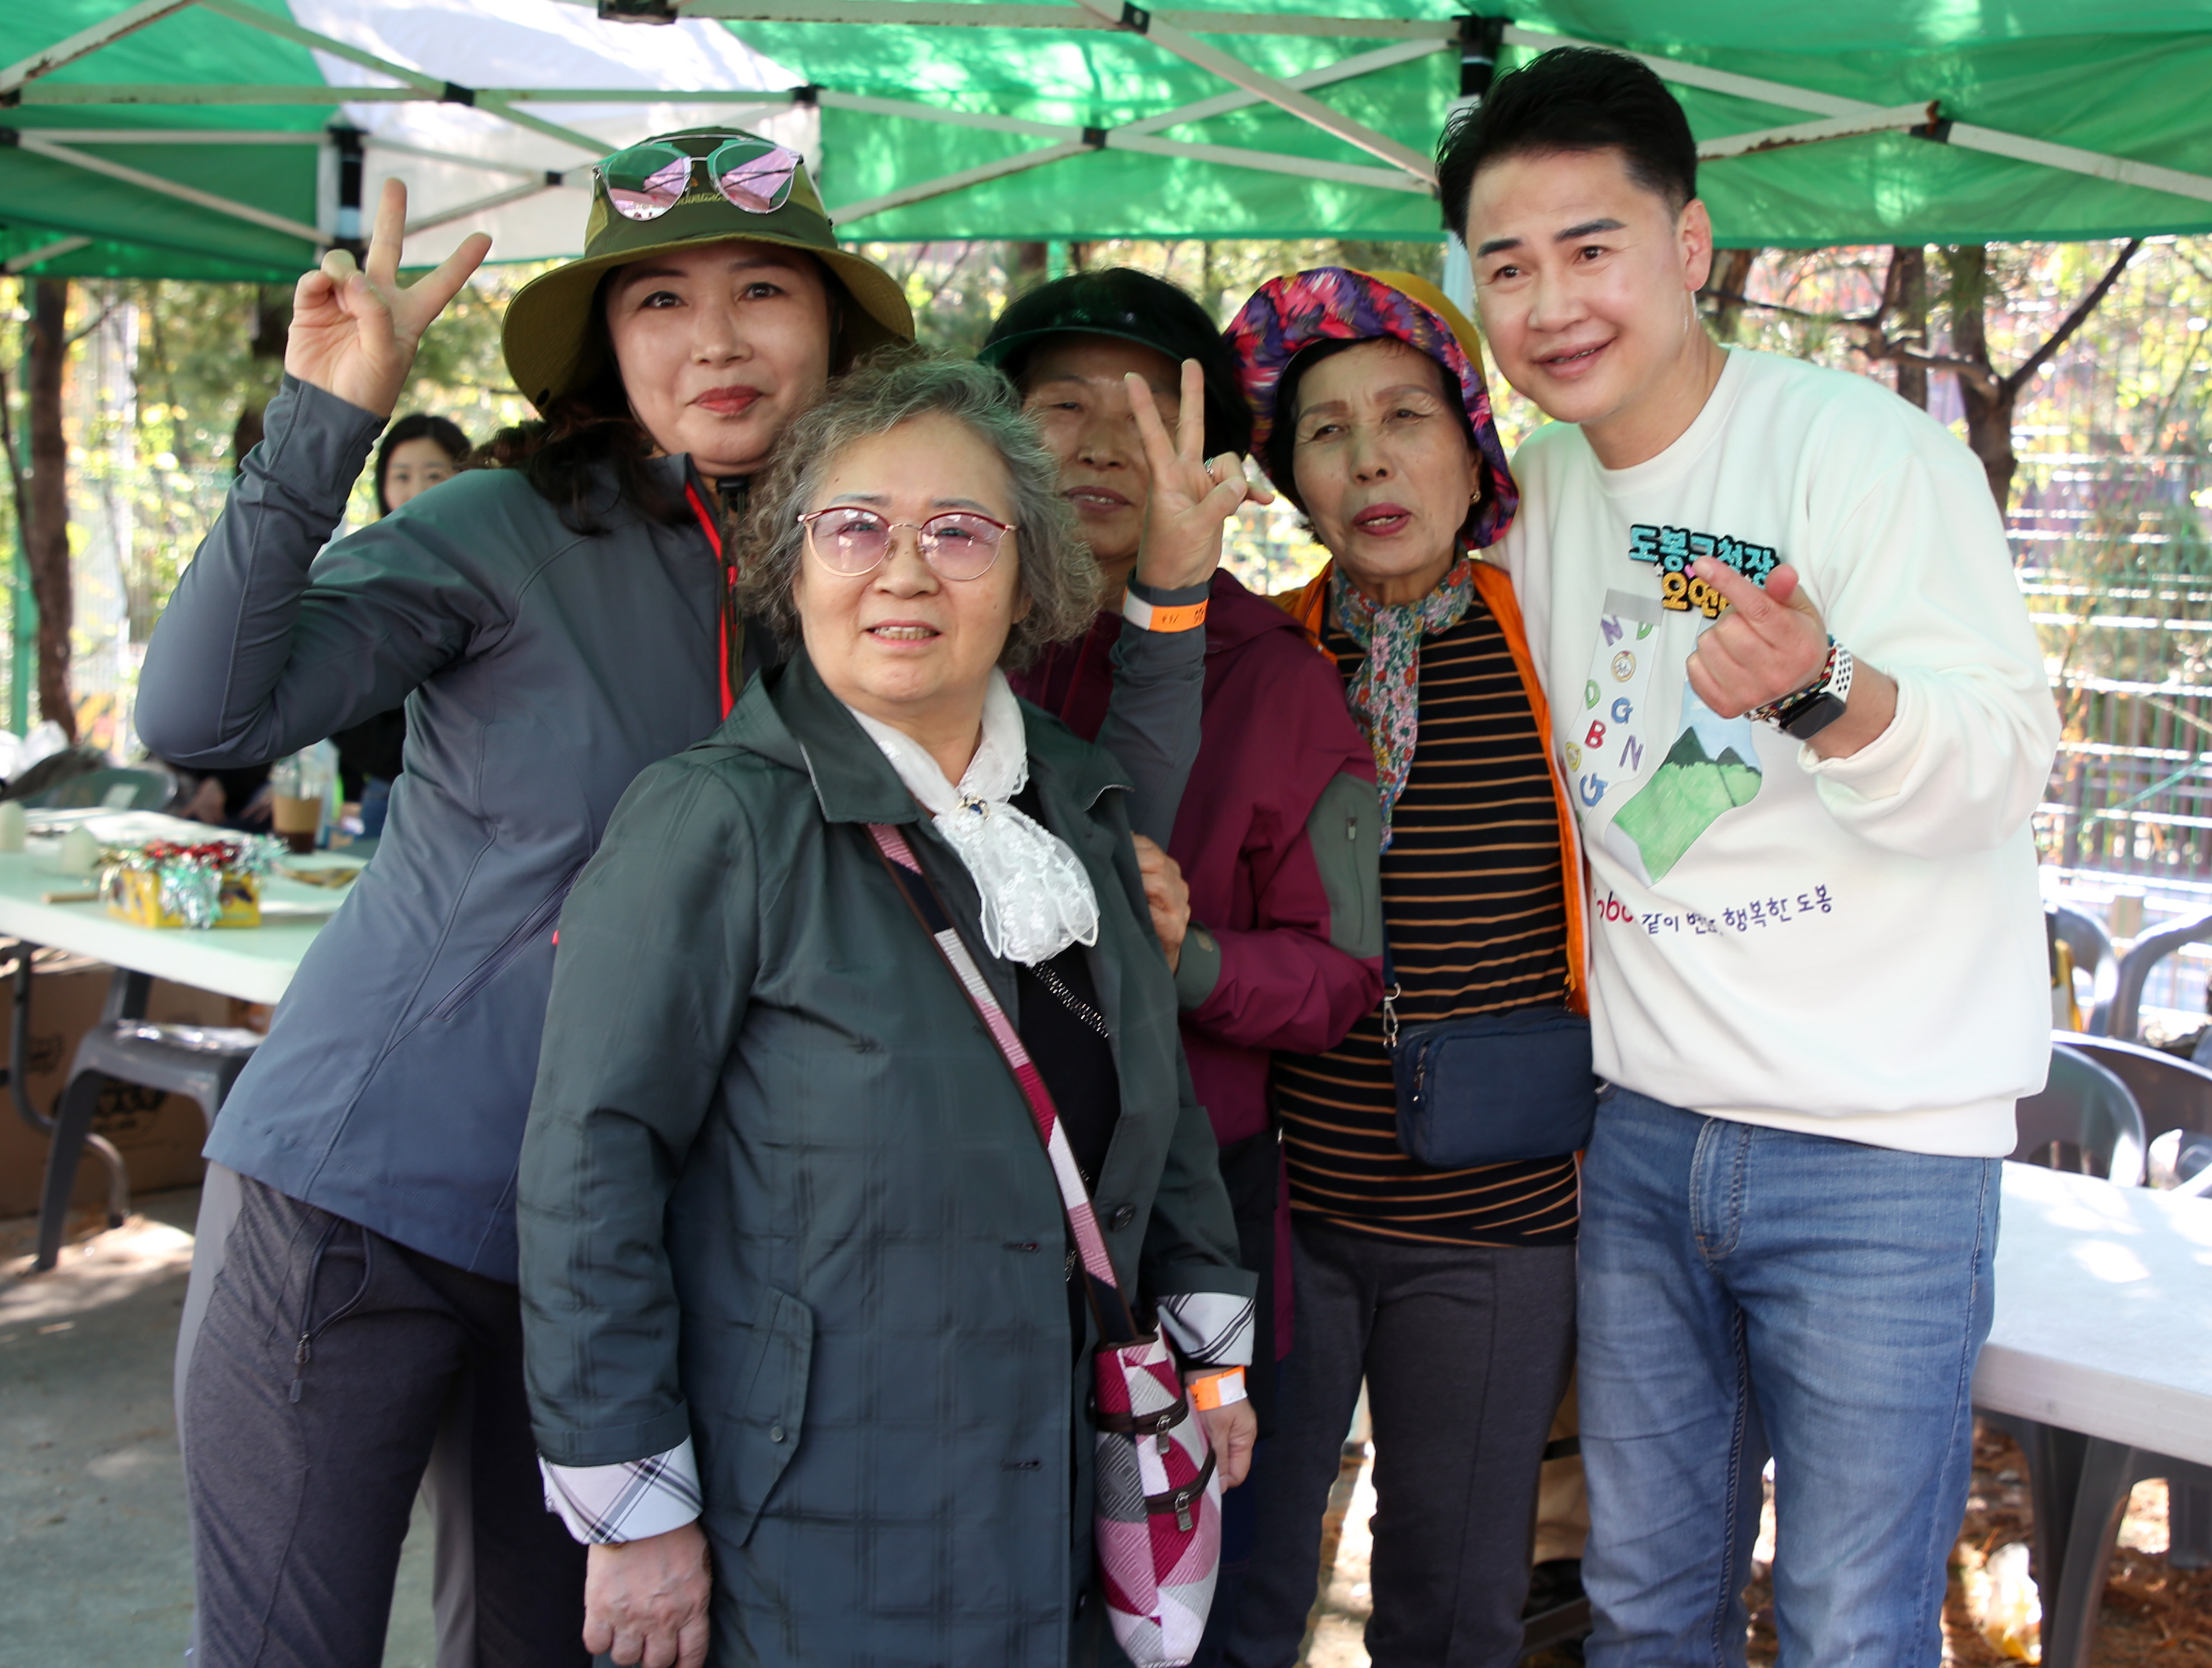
(794, 1256)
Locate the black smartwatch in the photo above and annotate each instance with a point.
(1803, 716)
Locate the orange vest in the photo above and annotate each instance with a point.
(1496, 589)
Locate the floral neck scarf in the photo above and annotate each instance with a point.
(1385, 696)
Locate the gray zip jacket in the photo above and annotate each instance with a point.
(542, 669)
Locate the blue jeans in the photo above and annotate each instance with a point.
(1745, 1291)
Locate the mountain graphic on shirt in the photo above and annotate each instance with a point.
(1711, 768)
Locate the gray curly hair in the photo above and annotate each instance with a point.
(895, 386)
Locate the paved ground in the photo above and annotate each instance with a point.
(95, 1569)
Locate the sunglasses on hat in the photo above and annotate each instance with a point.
(645, 181)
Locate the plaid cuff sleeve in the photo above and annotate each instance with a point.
(1211, 1328)
(607, 1504)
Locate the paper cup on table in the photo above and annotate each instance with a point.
(297, 821)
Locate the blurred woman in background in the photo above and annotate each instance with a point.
(417, 452)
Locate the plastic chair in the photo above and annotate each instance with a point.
(2169, 1093)
(2091, 946)
(2085, 1120)
(2121, 1016)
(124, 1047)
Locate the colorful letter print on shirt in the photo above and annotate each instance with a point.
(1711, 767)
(1610, 751)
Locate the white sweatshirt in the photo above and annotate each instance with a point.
(1849, 947)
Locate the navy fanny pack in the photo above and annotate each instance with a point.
(1491, 1088)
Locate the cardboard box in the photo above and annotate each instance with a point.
(160, 1135)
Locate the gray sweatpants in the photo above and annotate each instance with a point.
(302, 1459)
(448, 1484)
(1465, 1352)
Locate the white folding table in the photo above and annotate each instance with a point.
(2100, 1359)
(254, 963)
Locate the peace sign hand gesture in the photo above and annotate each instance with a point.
(354, 332)
(1191, 496)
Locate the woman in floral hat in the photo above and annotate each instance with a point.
(1450, 1292)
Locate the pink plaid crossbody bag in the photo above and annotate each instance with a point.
(1157, 1519)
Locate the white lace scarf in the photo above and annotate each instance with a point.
(1037, 896)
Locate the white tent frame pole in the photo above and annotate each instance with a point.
(922, 191)
(54, 251)
(482, 164)
(1267, 161)
(1281, 93)
(867, 105)
(2120, 170)
(201, 93)
(922, 14)
(1122, 138)
(766, 99)
(1894, 120)
(481, 97)
(2068, 159)
(1350, 69)
(481, 204)
(284, 29)
(1705, 79)
(30, 141)
(84, 41)
(185, 136)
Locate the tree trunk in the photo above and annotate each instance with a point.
(1030, 263)
(272, 323)
(47, 529)
(1731, 271)
(1988, 398)
(1908, 299)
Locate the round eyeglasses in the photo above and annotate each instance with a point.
(645, 181)
(960, 543)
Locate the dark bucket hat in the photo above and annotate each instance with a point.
(1287, 315)
(1129, 306)
(550, 346)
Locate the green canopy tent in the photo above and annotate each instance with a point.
(229, 138)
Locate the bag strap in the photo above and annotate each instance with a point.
(1108, 1302)
(1390, 995)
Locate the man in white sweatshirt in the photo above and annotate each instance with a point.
(1804, 719)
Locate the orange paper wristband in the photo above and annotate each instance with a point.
(1144, 616)
(1218, 1389)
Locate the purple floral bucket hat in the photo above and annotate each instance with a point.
(1335, 303)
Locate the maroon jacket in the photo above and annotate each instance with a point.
(1275, 734)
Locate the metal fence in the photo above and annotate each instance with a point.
(2112, 553)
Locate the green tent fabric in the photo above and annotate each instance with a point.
(905, 107)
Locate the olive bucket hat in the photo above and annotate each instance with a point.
(701, 185)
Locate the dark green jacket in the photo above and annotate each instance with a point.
(780, 1194)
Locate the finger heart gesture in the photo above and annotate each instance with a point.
(1191, 496)
(1769, 643)
(354, 330)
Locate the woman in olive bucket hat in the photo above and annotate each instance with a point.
(553, 627)
(1450, 1290)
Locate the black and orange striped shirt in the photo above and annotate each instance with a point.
(1473, 893)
